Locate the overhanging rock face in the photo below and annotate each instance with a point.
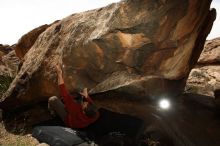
(143, 47)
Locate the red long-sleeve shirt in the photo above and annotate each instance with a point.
(75, 117)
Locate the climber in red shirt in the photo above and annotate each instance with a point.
(78, 111)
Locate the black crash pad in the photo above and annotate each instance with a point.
(58, 136)
(109, 124)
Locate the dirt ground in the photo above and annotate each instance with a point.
(10, 139)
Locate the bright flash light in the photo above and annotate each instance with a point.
(164, 104)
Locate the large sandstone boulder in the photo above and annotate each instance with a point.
(28, 40)
(142, 47)
(205, 77)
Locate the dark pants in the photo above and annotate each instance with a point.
(57, 106)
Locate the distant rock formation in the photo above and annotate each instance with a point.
(211, 52)
(4, 49)
(143, 47)
(205, 77)
(9, 61)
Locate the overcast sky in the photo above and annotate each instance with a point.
(216, 28)
(20, 16)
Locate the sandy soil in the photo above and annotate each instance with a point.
(10, 139)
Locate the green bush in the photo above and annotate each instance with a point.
(5, 82)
